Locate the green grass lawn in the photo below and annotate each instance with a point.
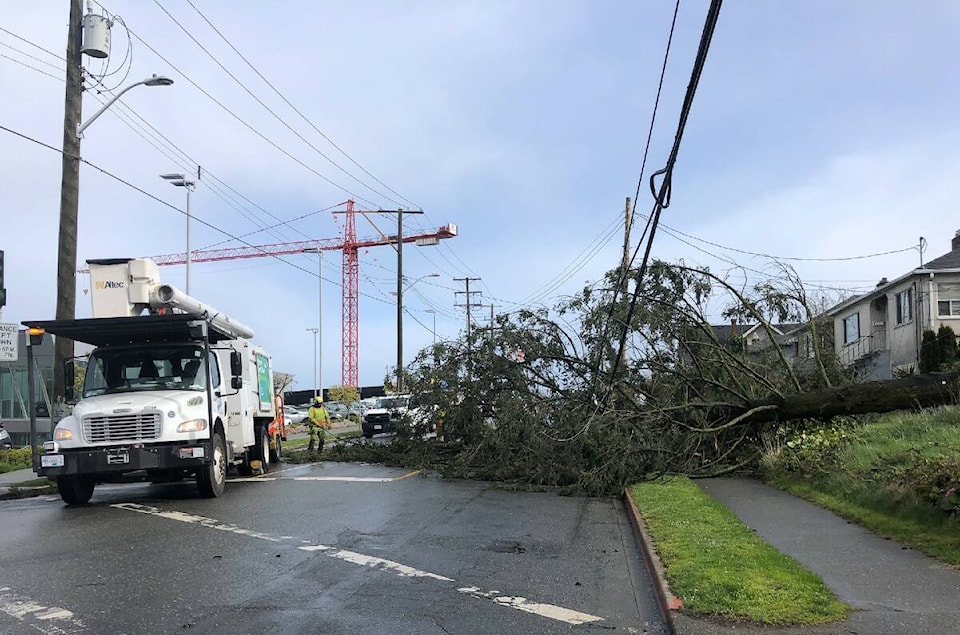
(889, 476)
(718, 566)
(305, 441)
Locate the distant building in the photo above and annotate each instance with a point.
(880, 332)
(304, 397)
(14, 396)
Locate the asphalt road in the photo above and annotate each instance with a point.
(323, 548)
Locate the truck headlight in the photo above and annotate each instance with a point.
(63, 434)
(194, 425)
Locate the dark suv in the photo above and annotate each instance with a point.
(384, 415)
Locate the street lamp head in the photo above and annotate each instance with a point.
(178, 180)
(158, 80)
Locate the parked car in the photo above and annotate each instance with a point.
(355, 409)
(5, 441)
(336, 410)
(294, 415)
(385, 414)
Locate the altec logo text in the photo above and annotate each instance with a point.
(108, 284)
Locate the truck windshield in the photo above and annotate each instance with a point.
(166, 367)
(392, 402)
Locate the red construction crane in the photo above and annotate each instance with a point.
(350, 245)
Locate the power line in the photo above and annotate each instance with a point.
(580, 261)
(227, 186)
(243, 122)
(656, 104)
(189, 165)
(33, 44)
(33, 57)
(295, 109)
(267, 108)
(208, 224)
(791, 258)
(33, 68)
(123, 112)
(662, 194)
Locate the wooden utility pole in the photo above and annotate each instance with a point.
(69, 197)
(468, 303)
(627, 226)
(621, 361)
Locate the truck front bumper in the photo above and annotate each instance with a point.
(125, 458)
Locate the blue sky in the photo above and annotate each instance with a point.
(820, 130)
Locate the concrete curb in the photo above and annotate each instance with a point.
(667, 600)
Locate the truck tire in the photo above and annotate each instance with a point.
(76, 489)
(212, 479)
(263, 449)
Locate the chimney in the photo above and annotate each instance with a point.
(882, 282)
(956, 240)
(733, 327)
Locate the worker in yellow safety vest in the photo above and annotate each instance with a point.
(319, 422)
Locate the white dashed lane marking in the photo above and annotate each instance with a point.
(549, 611)
(342, 479)
(373, 562)
(199, 520)
(51, 620)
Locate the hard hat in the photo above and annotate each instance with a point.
(318, 399)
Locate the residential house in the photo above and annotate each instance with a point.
(879, 332)
(753, 337)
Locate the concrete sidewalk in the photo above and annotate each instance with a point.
(895, 589)
(17, 476)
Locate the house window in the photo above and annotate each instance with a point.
(948, 299)
(851, 328)
(905, 306)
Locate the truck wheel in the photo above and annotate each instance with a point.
(263, 453)
(76, 490)
(212, 478)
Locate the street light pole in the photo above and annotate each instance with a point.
(316, 379)
(399, 293)
(180, 180)
(319, 346)
(433, 350)
(70, 187)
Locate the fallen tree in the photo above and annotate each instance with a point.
(600, 391)
(915, 391)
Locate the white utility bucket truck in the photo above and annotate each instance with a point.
(173, 387)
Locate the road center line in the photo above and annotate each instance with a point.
(343, 479)
(550, 611)
(50, 620)
(199, 520)
(373, 562)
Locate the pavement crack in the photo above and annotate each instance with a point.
(439, 625)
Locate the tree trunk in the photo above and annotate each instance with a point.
(919, 391)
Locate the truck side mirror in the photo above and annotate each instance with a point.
(236, 364)
(69, 377)
(236, 383)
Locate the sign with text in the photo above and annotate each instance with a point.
(8, 342)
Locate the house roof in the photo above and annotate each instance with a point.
(724, 332)
(949, 260)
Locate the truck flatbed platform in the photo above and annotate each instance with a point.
(131, 330)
